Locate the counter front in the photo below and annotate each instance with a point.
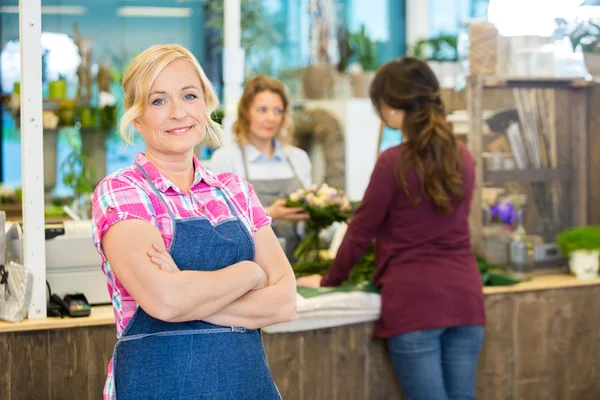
(542, 342)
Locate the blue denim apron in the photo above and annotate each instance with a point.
(196, 360)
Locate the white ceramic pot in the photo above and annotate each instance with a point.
(584, 264)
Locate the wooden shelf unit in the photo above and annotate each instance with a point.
(564, 124)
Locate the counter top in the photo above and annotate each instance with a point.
(542, 282)
(103, 315)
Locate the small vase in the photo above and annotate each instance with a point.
(522, 254)
(584, 264)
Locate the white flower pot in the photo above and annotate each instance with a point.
(584, 264)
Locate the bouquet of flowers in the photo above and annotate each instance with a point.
(325, 205)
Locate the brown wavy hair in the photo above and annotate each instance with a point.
(409, 84)
(254, 86)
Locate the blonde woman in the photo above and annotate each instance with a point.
(192, 265)
(263, 156)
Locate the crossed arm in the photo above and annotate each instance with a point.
(252, 294)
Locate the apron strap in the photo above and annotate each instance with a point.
(157, 192)
(171, 214)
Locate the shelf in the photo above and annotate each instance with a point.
(528, 175)
(534, 82)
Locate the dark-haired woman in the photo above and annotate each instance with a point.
(416, 207)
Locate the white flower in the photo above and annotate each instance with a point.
(294, 197)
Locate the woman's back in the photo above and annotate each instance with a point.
(426, 268)
(416, 231)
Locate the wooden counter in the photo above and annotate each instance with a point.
(542, 342)
(102, 315)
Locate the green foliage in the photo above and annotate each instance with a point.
(361, 273)
(108, 116)
(78, 173)
(443, 47)
(218, 115)
(580, 238)
(345, 50)
(258, 31)
(587, 35)
(365, 49)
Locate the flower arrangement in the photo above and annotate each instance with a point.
(325, 205)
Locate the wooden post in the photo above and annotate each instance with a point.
(475, 144)
(32, 154)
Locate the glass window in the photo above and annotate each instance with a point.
(117, 30)
(275, 36)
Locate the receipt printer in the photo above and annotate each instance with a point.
(73, 264)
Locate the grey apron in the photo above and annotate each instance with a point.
(269, 190)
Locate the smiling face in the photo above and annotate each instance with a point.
(174, 119)
(266, 116)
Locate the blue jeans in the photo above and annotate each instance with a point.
(437, 364)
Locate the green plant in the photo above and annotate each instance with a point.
(344, 49)
(443, 47)
(587, 35)
(580, 238)
(218, 115)
(78, 173)
(108, 117)
(258, 32)
(365, 49)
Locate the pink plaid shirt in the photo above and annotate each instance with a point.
(126, 194)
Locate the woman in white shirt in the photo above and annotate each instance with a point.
(261, 154)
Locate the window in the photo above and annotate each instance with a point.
(276, 41)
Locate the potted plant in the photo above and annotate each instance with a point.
(96, 124)
(366, 55)
(79, 174)
(441, 53)
(587, 35)
(581, 246)
(343, 85)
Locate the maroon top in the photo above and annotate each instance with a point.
(425, 266)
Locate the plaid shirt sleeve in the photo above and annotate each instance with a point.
(256, 212)
(242, 194)
(115, 199)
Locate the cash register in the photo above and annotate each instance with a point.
(73, 266)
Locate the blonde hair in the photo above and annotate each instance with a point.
(256, 85)
(140, 77)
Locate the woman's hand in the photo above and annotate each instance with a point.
(159, 256)
(311, 281)
(278, 210)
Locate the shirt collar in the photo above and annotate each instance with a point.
(253, 155)
(163, 183)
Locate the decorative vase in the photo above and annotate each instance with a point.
(584, 264)
(361, 82)
(522, 254)
(58, 89)
(318, 81)
(93, 146)
(50, 162)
